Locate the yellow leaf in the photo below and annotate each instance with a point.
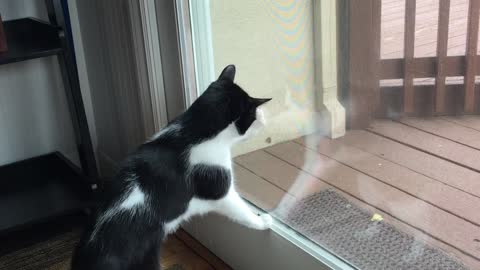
(377, 217)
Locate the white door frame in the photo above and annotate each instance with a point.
(202, 43)
(185, 40)
(281, 248)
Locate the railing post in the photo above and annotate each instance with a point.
(409, 49)
(442, 43)
(471, 56)
(364, 58)
(325, 40)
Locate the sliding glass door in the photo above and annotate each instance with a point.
(399, 189)
(272, 44)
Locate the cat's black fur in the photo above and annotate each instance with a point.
(132, 239)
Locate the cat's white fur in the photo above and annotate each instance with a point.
(217, 151)
(133, 200)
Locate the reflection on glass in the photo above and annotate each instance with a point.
(401, 193)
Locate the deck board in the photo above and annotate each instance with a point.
(292, 180)
(446, 129)
(257, 190)
(417, 213)
(468, 121)
(420, 186)
(449, 173)
(429, 143)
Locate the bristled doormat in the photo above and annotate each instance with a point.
(347, 230)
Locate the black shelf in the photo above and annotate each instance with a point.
(40, 189)
(29, 38)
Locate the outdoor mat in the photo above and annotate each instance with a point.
(332, 221)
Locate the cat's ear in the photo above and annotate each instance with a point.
(228, 73)
(259, 101)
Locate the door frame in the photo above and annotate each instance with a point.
(242, 248)
(280, 248)
(165, 77)
(148, 60)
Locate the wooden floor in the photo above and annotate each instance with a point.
(421, 175)
(49, 246)
(182, 250)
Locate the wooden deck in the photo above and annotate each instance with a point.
(426, 27)
(422, 175)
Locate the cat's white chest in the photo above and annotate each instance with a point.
(211, 154)
(215, 151)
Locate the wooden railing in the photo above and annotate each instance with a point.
(366, 98)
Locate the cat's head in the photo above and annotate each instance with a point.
(226, 105)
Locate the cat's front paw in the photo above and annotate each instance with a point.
(266, 222)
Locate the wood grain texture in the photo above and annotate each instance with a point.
(428, 42)
(49, 246)
(446, 129)
(391, 104)
(456, 153)
(363, 86)
(468, 121)
(471, 53)
(257, 190)
(426, 20)
(423, 67)
(176, 252)
(201, 250)
(424, 188)
(442, 43)
(183, 250)
(409, 50)
(450, 174)
(297, 183)
(399, 204)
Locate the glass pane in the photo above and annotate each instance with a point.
(365, 153)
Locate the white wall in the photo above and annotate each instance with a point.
(271, 43)
(34, 116)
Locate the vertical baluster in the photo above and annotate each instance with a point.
(409, 47)
(471, 55)
(442, 43)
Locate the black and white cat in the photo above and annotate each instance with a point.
(184, 170)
